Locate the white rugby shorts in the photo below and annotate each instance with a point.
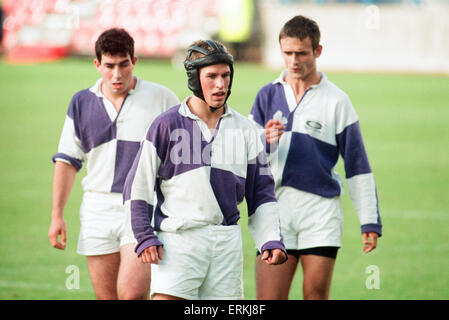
(204, 263)
(308, 220)
(103, 229)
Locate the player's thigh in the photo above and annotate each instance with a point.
(103, 270)
(317, 272)
(134, 277)
(273, 282)
(224, 279)
(101, 218)
(186, 258)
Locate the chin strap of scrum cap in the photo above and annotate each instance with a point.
(214, 56)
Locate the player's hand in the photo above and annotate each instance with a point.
(274, 256)
(369, 241)
(151, 255)
(57, 228)
(273, 130)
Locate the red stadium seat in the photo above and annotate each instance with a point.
(155, 24)
(35, 54)
(9, 40)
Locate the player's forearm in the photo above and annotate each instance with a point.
(63, 179)
(265, 228)
(362, 191)
(141, 214)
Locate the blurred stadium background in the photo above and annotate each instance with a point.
(379, 35)
(390, 56)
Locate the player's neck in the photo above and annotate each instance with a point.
(117, 98)
(300, 85)
(201, 109)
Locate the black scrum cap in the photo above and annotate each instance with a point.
(214, 56)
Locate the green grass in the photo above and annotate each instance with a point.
(404, 119)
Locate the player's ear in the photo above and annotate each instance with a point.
(318, 51)
(134, 60)
(97, 63)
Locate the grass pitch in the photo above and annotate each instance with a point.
(404, 120)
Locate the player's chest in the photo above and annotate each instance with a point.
(225, 147)
(317, 121)
(103, 122)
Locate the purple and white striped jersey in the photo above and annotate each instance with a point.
(321, 126)
(109, 140)
(200, 178)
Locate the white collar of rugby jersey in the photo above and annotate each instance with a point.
(288, 90)
(108, 105)
(184, 110)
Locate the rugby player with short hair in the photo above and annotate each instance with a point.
(104, 126)
(308, 122)
(202, 159)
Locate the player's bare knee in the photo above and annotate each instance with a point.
(316, 293)
(106, 296)
(133, 295)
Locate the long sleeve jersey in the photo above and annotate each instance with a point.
(200, 178)
(322, 126)
(109, 140)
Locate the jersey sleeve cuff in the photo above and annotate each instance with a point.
(372, 228)
(78, 164)
(270, 245)
(150, 242)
